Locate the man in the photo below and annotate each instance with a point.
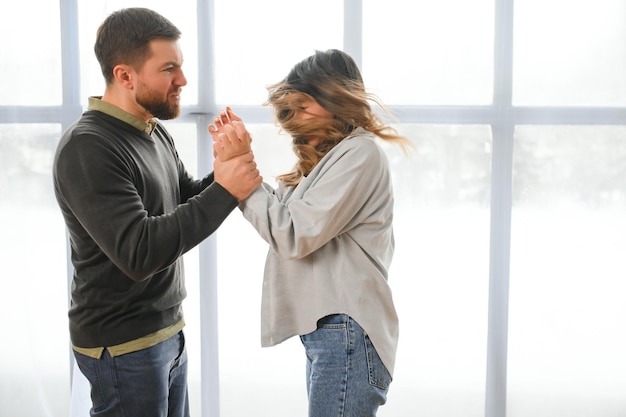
(132, 210)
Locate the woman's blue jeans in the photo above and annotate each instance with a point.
(344, 374)
(148, 383)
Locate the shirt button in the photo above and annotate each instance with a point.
(148, 129)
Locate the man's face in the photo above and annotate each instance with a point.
(160, 80)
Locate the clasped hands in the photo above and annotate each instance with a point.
(230, 137)
(234, 166)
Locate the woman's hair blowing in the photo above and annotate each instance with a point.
(334, 81)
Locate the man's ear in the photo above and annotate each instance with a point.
(124, 75)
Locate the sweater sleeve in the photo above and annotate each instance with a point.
(96, 186)
(339, 194)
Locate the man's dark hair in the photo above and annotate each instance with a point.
(124, 38)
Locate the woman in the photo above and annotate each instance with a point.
(329, 227)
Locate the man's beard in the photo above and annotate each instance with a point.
(153, 103)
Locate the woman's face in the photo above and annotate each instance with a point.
(310, 108)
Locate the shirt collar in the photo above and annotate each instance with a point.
(96, 103)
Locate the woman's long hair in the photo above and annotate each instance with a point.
(334, 81)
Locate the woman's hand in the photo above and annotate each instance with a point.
(230, 137)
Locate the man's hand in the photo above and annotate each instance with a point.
(230, 137)
(238, 175)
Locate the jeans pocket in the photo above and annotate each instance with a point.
(333, 321)
(181, 357)
(378, 374)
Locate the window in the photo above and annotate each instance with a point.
(36, 59)
(567, 53)
(566, 290)
(431, 53)
(509, 222)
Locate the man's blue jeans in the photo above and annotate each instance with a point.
(148, 383)
(345, 376)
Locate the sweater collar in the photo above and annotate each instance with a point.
(96, 103)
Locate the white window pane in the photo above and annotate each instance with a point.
(451, 166)
(578, 166)
(91, 15)
(429, 52)
(30, 57)
(186, 141)
(439, 275)
(33, 313)
(570, 52)
(567, 310)
(258, 42)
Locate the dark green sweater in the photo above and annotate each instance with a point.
(131, 210)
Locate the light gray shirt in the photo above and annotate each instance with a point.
(331, 244)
